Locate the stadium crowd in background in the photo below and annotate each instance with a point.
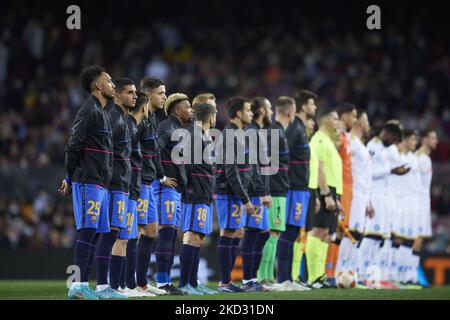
(393, 75)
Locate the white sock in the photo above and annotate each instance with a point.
(368, 253)
(102, 287)
(246, 281)
(402, 263)
(415, 261)
(255, 280)
(345, 257)
(393, 275)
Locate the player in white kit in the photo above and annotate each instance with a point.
(405, 231)
(360, 206)
(428, 140)
(378, 228)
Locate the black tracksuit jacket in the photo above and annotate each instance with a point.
(89, 151)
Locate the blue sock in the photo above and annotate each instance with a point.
(187, 258)
(163, 254)
(82, 249)
(103, 255)
(234, 252)
(247, 247)
(115, 271)
(257, 252)
(123, 274)
(131, 263)
(285, 248)
(144, 251)
(172, 251)
(194, 274)
(224, 252)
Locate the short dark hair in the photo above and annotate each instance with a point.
(256, 104)
(234, 105)
(324, 112)
(150, 83)
(424, 133)
(89, 75)
(121, 83)
(204, 111)
(282, 104)
(394, 129)
(360, 112)
(302, 98)
(345, 107)
(141, 100)
(409, 132)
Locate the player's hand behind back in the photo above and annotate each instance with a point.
(267, 201)
(249, 207)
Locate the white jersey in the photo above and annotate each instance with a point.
(396, 182)
(361, 166)
(413, 180)
(426, 172)
(381, 168)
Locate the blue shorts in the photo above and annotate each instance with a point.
(89, 206)
(297, 202)
(209, 226)
(131, 230)
(169, 207)
(116, 205)
(259, 219)
(229, 211)
(146, 206)
(197, 218)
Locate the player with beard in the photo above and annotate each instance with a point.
(256, 225)
(232, 182)
(118, 190)
(279, 184)
(298, 193)
(88, 163)
(179, 113)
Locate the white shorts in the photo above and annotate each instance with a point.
(396, 213)
(360, 201)
(424, 217)
(381, 223)
(405, 224)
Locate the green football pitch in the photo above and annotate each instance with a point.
(56, 290)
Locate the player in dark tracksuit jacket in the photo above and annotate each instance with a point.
(232, 182)
(256, 224)
(88, 163)
(130, 234)
(279, 185)
(197, 212)
(179, 113)
(298, 194)
(118, 190)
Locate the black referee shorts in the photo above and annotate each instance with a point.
(325, 218)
